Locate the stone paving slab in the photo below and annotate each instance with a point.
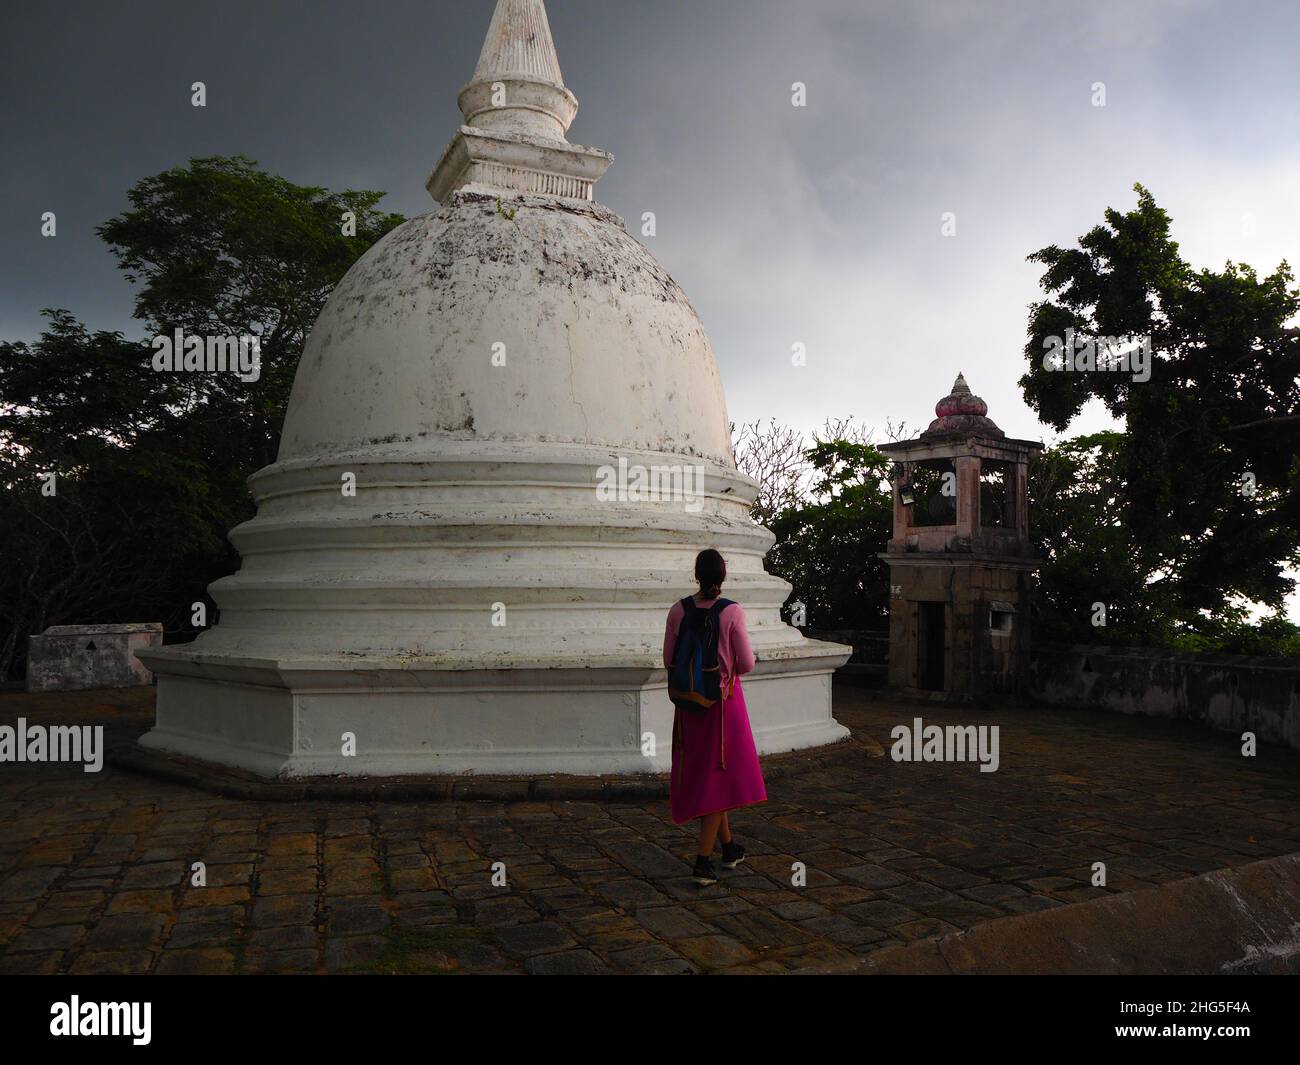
(95, 869)
(233, 783)
(1232, 921)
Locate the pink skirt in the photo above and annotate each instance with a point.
(715, 765)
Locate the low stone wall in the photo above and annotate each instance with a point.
(1234, 693)
(72, 657)
(870, 647)
(869, 663)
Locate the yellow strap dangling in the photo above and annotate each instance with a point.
(722, 727)
(722, 739)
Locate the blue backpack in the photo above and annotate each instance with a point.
(695, 680)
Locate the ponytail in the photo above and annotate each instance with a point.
(710, 571)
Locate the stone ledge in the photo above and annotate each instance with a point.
(237, 784)
(1241, 920)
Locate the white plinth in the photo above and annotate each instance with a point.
(289, 720)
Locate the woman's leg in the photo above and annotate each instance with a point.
(709, 832)
(724, 828)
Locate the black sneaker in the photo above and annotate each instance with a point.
(732, 855)
(704, 874)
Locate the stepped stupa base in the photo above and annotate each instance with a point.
(407, 716)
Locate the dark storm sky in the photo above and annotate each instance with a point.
(818, 225)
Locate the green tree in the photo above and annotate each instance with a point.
(149, 468)
(221, 248)
(826, 545)
(1076, 528)
(1205, 479)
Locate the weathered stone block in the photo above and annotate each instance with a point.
(72, 657)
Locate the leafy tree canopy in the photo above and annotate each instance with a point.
(827, 544)
(150, 468)
(1203, 485)
(222, 248)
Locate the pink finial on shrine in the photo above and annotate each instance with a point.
(961, 411)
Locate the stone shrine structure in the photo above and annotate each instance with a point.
(79, 657)
(960, 562)
(506, 441)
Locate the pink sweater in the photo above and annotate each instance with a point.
(735, 656)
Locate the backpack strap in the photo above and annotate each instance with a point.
(716, 613)
(690, 615)
(717, 608)
(687, 623)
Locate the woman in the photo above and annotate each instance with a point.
(715, 765)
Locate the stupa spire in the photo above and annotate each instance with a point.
(519, 44)
(517, 111)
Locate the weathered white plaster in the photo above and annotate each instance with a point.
(476, 485)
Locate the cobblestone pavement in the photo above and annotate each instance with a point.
(95, 868)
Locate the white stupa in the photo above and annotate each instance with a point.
(479, 603)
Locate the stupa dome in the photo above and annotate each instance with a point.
(510, 320)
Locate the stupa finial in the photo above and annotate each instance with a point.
(961, 411)
(517, 85)
(517, 112)
(519, 44)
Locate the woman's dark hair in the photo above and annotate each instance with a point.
(710, 571)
